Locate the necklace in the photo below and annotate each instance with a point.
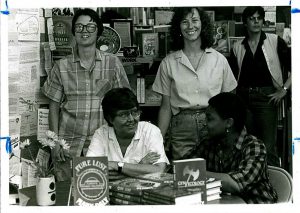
(195, 60)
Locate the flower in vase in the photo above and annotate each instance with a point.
(40, 170)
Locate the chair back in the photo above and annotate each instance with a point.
(281, 180)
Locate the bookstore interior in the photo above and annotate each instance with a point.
(141, 39)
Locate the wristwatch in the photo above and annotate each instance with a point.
(120, 166)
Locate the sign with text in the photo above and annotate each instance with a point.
(90, 181)
(43, 124)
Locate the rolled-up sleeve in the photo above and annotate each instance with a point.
(121, 79)
(251, 167)
(155, 144)
(229, 82)
(162, 83)
(53, 87)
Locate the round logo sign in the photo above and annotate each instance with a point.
(91, 184)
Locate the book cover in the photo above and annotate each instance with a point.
(221, 33)
(62, 34)
(90, 181)
(189, 173)
(150, 45)
(132, 185)
(160, 177)
(169, 194)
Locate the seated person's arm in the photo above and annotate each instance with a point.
(228, 184)
(249, 172)
(138, 169)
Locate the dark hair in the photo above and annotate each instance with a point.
(206, 28)
(249, 11)
(229, 105)
(117, 99)
(91, 13)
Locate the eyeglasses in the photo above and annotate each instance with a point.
(125, 115)
(91, 28)
(258, 18)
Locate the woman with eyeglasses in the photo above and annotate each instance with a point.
(132, 146)
(76, 86)
(261, 62)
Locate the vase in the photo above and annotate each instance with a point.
(46, 191)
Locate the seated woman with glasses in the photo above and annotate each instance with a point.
(132, 146)
(232, 155)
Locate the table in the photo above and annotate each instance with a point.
(28, 198)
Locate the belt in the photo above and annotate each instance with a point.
(192, 110)
(257, 89)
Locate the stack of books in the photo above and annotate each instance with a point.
(168, 195)
(129, 191)
(213, 189)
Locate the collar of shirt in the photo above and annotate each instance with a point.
(182, 58)
(76, 57)
(180, 54)
(112, 134)
(260, 43)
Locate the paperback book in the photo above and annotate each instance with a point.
(189, 173)
(90, 181)
(167, 194)
(160, 177)
(132, 186)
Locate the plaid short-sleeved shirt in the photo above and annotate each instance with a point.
(247, 165)
(80, 92)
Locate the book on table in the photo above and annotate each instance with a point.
(133, 186)
(212, 183)
(125, 197)
(161, 177)
(189, 173)
(168, 195)
(90, 181)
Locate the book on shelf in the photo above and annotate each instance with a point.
(168, 194)
(140, 89)
(62, 31)
(160, 177)
(150, 45)
(190, 173)
(222, 30)
(163, 17)
(132, 185)
(151, 97)
(90, 181)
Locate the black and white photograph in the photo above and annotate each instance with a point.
(166, 106)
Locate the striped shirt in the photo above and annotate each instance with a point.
(80, 92)
(246, 164)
